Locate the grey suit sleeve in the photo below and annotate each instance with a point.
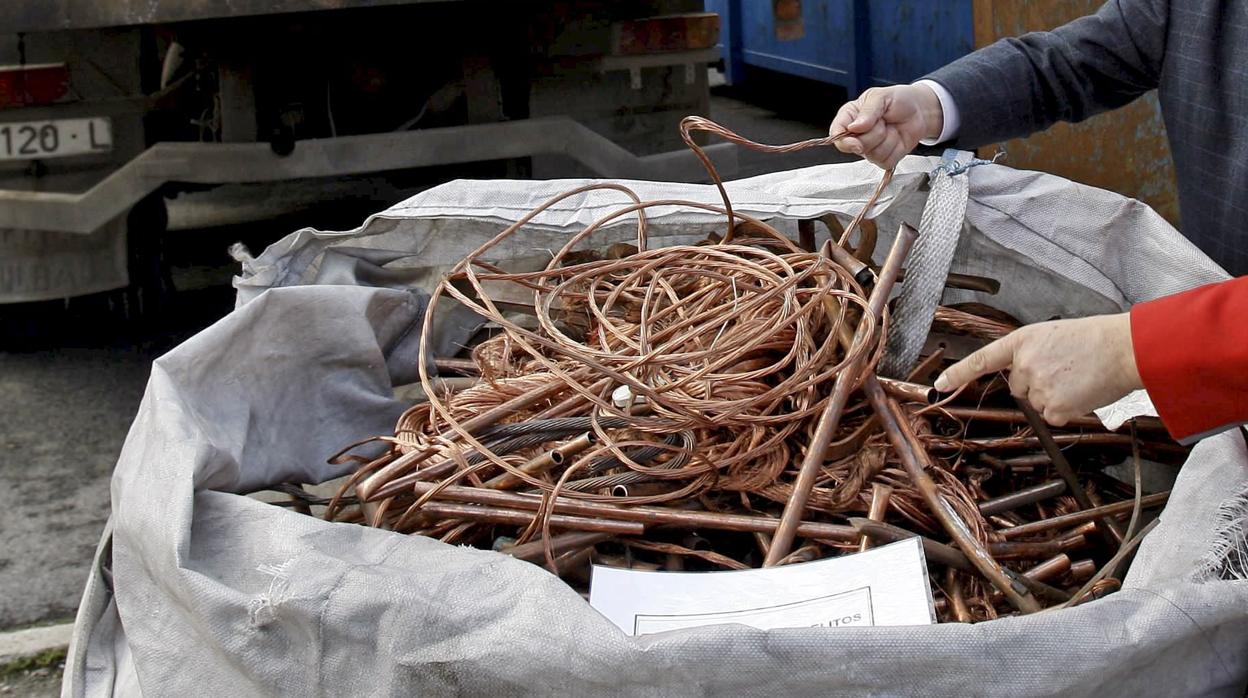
(1022, 85)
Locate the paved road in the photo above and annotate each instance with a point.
(72, 378)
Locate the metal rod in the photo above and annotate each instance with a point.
(467, 367)
(916, 462)
(536, 550)
(515, 517)
(830, 419)
(1112, 531)
(649, 515)
(957, 601)
(1080, 517)
(880, 495)
(1023, 497)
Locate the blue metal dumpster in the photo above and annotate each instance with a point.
(852, 43)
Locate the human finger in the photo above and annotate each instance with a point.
(994, 357)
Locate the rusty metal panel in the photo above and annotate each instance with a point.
(1124, 151)
(53, 15)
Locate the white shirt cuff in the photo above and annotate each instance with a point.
(949, 111)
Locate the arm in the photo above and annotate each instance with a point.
(1015, 86)
(1021, 85)
(1189, 350)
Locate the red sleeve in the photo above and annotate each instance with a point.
(1192, 352)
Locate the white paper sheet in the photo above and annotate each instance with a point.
(883, 586)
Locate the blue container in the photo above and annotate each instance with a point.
(852, 43)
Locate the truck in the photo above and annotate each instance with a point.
(111, 108)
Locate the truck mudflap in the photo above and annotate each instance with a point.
(37, 265)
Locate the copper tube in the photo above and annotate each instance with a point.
(1023, 497)
(657, 516)
(830, 419)
(1111, 531)
(880, 495)
(969, 282)
(953, 586)
(995, 414)
(1020, 443)
(916, 462)
(380, 484)
(624, 563)
(1081, 517)
(515, 517)
(862, 273)
(1045, 571)
(543, 462)
(467, 367)
(905, 391)
(806, 235)
(1082, 570)
(927, 369)
(1012, 550)
(934, 551)
(1051, 568)
(535, 550)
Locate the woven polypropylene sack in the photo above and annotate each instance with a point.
(197, 588)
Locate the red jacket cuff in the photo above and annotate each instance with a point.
(1191, 350)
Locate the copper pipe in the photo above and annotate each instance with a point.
(927, 369)
(1082, 570)
(905, 391)
(1112, 532)
(969, 282)
(957, 601)
(536, 550)
(1022, 443)
(1045, 571)
(1023, 497)
(466, 367)
(655, 516)
(806, 235)
(916, 462)
(514, 517)
(934, 551)
(862, 273)
(1012, 550)
(880, 495)
(543, 462)
(372, 487)
(1081, 517)
(830, 419)
(1007, 416)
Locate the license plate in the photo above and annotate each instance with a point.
(59, 138)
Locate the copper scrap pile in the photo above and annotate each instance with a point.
(716, 406)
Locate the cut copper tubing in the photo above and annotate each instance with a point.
(830, 419)
(1081, 517)
(880, 495)
(957, 602)
(1082, 570)
(915, 460)
(1023, 497)
(649, 515)
(905, 391)
(535, 550)
(515, 517)
(862, 273)
(1051, 568)
(1112, 532)
(543, 462)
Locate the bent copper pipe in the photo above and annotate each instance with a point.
(830, 419)
(1023, 497)
(1081, 517)
(915, 460)
(649, 515)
